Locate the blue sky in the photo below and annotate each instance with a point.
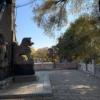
(27, 28)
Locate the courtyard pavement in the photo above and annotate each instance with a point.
(74, 85)
(71, 85)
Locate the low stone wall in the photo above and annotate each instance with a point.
(67, 65)
(51, 66)
(43, 66)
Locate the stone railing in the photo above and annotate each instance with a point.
(97, 70)
(92, 69)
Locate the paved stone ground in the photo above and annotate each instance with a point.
(72, 85)
(27, 87)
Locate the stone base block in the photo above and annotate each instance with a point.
(29, 90)
(24, 69)
(25, 78)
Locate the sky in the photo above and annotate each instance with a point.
(25, 27)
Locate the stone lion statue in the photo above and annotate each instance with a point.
(24, 52)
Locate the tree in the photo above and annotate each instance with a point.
(41, 53)
(52, 14)
(81, 40)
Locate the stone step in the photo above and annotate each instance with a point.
(34, 89)
(25, 78)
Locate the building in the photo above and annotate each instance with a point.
(7, 31)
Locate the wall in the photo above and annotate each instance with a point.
(7, 28)
(51, 66)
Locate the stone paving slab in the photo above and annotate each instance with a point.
(39, 88)
(74, 85)
(70, 85)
